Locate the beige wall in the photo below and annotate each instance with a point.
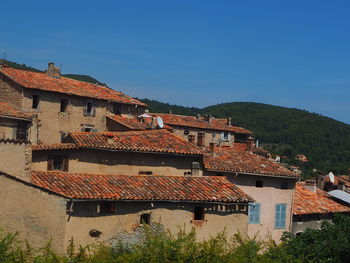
(268, 196)
(15, 158)
(171, 215)
(36, 215)
(125, 163)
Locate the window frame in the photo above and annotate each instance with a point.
(51, 163)
(198, 212)
(146, 216)
(35, 101)
(254, 215)
(280, 215)
(201, 139)
(64, 105)
(89, 109)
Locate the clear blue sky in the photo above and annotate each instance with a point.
(193, 53)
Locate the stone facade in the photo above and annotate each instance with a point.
(126, 163)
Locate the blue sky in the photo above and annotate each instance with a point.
(193, 53)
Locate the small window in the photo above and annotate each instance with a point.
(89, 109)
(198, 213)
(145, 173)
(284, 185)
(116, 109)
(192, 138)
(21, 132)
(64, 104)
(225, 136)
(254, 213)
(106, 207)
(280, 215)
(57, 163)
(35, 103)
(63, 136)
(201, 139)
(145, 219)
(259, 183)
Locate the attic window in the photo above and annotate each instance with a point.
(198, 213)
(89, 109)
(259, 183)
(145, 219)
(35, 102)
(64, 104)
(57, 163)
(106, 207)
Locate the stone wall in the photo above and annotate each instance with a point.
(10, 92)
(125, 163)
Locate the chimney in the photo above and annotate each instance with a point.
(53, 71)
(195, 167)
(208, 118)
(198, 116)
(170, 111)
(310, 185)
(250, 143)
(229, 121)
(212, 149)
(154, 123)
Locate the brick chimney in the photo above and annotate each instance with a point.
(311, 185)
(208, 118)
(229, 123)
(250, 143)
(53, 71)
(198, 116)
(212, 149)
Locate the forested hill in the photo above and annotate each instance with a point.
(286, 131)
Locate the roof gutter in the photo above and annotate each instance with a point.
(164, 201)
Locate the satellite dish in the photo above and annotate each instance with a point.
(144, 116)
(160, 122)
(331, 177)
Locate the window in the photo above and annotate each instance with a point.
(192, 138)
(89, 129)
(63, 135)
(259, 183)
(64, 104)
(145, 172)
(35, 102)
(58, 163)
(201, 139)
(254, 213)
(198, 213)
(284, 185)
(225, 136)
(89, 109)
(21, 132)
(106, 207)
(116, 109)
(280, 216)
(145, 219)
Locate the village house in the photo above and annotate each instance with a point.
(203, 130)
(61, 206)
(270, 184)
(149, 152)
(60, 105)
(312, 206)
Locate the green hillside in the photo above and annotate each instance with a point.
(285, 131)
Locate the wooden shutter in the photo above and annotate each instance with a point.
(65, 164)
(254, 213)
(280, 216)
(85, 110)
(49, 164)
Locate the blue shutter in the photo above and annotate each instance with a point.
(280, 216)
(254, 213)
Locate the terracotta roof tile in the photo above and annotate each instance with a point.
(56, 146)
(308, 202)
(158, 188)
(133, 123)
(344, 179)
(8, 110)
(156, 141)
(192, 121)
(41, 81)
(229, 159)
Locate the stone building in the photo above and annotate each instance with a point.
(203, 130)
(60, 105)
(270, 184)
(312, 206)
(150, 152)
(60, 206)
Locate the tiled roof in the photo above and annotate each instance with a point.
(308, 202)
(56, 146)
(228, 159)
(344, 179)
(41, 81)
(192, 121)
(133, 123)
(156, 141)
(157, 188)
(8, 110)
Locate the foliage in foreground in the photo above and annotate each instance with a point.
(330, 244)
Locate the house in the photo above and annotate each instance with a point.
(312, 206)
(60, 105)
(130, 153)
(270, 184)
(87, 208)
(301, 158)
(203, 130)
(15, 149)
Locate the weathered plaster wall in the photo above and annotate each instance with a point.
(37, 216)
(171, 216)
(15, 158)
(309, 221)
(125, 163)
